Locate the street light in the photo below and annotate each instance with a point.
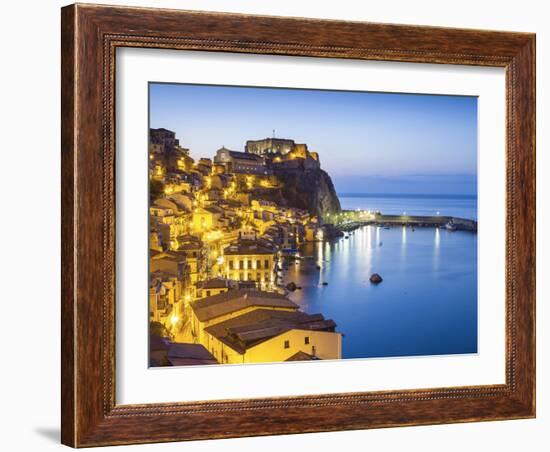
(174, 319)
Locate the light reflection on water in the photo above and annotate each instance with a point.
(426, 304)
(437, 243)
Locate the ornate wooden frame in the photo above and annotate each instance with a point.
(90, 35)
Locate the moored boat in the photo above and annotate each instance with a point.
(450, 226)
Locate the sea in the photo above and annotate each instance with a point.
(427, 301)
(463, 206)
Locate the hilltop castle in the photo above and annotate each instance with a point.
(282, 150)
(270, 146)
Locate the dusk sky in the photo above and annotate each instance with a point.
(367, 142)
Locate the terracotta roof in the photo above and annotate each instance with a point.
(302, 356)
(215, 283)
(235, 300)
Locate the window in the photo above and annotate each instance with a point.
(230, 265)
(241, 264)
(258, 264)
(266, 263)
(208, 294)
(287, 344)
(306, 340)
(249, 264)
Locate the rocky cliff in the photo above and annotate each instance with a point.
(310, 189)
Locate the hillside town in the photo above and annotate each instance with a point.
(222, 229)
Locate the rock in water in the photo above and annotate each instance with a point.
(375, 278)
(291, 286)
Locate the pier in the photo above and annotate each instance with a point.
(353, 220)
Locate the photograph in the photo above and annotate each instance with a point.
(290, 224)
(267, 226)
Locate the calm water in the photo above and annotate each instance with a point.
(426, 305)
(462, 206)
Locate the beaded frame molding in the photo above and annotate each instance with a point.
(90, 36)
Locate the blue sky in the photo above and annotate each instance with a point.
(367, 142)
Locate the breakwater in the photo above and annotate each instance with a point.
(453, 223)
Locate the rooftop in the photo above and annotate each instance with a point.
(242, 155)
(214, 209)
(160, 129)
(157, 343)
(170, 255)
(181, 354)
(159, 276)
(245, 247)
(188, 238)
(302, 356)
(248, 330)
(215, 283)
(190, 246)
(271, 139)
(235, 300)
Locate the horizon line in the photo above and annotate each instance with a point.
(407, 195)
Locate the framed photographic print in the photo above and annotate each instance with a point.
(282, 225)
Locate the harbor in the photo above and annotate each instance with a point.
(355, 220)
(425, 305)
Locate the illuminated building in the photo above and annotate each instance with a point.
(165, 298)
(268, 335)
(224, 306)
(184, 201)
(269, 146)
(240, 162)
(216, 235)
(204, 219)
(163, 137)
(194, 251)
(215, 286)
(248, 260)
